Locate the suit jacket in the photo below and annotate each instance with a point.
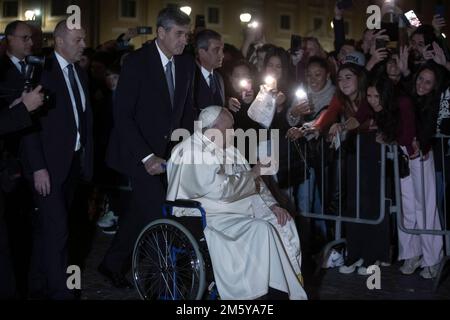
(144, 118)
(51, 143)
(203, 96)
(14, 119)
(11, 87)
(11, 80)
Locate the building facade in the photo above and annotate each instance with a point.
(107, 19)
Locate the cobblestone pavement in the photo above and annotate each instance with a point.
(329, 285)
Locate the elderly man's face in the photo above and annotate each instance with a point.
(213, 57)
(73, 44)
(224, 124)
(174, 39)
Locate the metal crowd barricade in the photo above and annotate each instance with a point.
(338, 216)
(395, 207)
(445, 232)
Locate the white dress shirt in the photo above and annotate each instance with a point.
(63, 63)
(206, 74)
(164, 61)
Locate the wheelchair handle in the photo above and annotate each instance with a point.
(181, 203)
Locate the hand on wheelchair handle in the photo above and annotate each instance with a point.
(155, 166)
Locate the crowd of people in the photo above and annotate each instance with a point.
(107, 114)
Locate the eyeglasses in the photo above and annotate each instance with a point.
(24, 38)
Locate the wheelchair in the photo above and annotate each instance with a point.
(170, 258)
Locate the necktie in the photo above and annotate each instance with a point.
(212, 83)
(169, 79)
(79, 105)
(23, 67)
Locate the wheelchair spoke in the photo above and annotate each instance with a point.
(170, 272)
(160, 254)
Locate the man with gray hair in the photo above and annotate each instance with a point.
(55, 155)
(253, 242)
(209, 85)
(154, 97)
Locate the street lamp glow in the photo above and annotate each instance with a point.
(186, 10)
(29, 15)
(245, 17)
(332, 24)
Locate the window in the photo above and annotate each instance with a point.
(285, 22)
(128, 9)
(213, 15)
(59, 7)
(10, 9)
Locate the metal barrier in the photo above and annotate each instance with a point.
(442, 213)
(338, 217)
(387, 152)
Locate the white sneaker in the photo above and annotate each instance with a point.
(362, 271)
(430, 272)
(334, 260)
(351, 268)
(410, 265)
(107, 220)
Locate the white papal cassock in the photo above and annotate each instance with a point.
(249, 250)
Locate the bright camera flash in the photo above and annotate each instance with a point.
(301, 94)
(253, 25)
(269, 80)
(243, 83)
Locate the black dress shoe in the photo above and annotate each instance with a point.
(117, 279)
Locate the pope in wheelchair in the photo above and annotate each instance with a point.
(253, 242)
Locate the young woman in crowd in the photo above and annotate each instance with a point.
(419, 188)
(320, 90)
(393, 122)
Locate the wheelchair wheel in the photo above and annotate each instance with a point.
(167, 263)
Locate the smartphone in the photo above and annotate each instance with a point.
(200, 21)
(412, 18)
(391, 30)
(296, 43)
(380, 43)
(440, 10)
(344, 4)
(144, 30)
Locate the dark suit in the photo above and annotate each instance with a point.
(11, 80)
(203, 95)
(14, 119)
(51, 146)
(16, 201)
(144, 120)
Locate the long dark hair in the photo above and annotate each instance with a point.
(387, 119)
(283, 84)
(427, 106)
(431, 100)
(359, 72)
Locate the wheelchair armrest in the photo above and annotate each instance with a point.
(180, 203)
